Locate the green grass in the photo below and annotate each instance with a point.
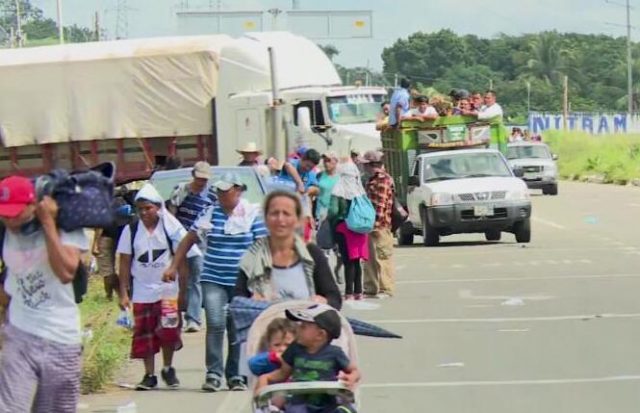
(616, 158)
(109, 347)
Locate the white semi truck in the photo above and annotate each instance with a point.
(140, 102)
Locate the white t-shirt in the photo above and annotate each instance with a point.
(489, 112)
(152, 257)
(430, 111)
(40, 303)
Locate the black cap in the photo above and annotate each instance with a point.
(324, 316)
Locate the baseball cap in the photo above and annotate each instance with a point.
(202, 169)
(227, 181)
(325, 317)
(16, 192)
(372, 157)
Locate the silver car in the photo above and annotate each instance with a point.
(537, 165)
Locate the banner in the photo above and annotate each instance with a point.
(594, 123)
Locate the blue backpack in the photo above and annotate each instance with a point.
(361, 217)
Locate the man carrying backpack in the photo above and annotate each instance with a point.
(379, 273)
(40, 365)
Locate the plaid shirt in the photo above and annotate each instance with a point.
(380, 191)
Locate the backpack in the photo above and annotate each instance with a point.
(361, 217)
(133, 229)
(80, 280)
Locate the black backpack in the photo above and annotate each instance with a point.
(80, 280)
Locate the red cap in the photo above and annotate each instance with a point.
(16, 192)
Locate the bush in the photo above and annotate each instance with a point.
(614, 157)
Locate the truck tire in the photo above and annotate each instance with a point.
(552, 189)
(405, 234)
(493, 235)
(430, 236)
(522, 231)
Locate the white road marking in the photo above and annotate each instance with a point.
(468, 295)
(606, 379)
(458, 266)
(479, 305)
(633, 205)
(559, 278)
(513, 330)
(505, 319)
(548, 223)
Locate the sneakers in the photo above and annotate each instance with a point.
(149, 382)
(191, 327)
(348, 297)
(237, 385)
(170, 378)
(357, 297)
(212, 384)
(383, 296)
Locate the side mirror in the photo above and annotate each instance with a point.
(554, 157)
(413, 181)
(518, 171)
(304, 119)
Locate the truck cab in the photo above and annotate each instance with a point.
(452, 183)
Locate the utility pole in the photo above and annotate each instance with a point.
(60, 26)
(565, 103)
(528, 97)
(490, 84)
(629, 63)
(395, 81)
(97, 27)
(18, 25)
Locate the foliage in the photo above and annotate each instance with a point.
(595, 65)
(615, 157)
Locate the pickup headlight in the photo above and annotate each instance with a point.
(440, 198)
(550, 170)
(518, 195)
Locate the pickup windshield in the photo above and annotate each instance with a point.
(350, 109)
(467, 165)
(528, 152)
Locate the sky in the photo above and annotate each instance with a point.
(391, 19)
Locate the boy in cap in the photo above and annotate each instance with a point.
(312, 357)
(41, 358)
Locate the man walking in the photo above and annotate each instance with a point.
(40, 365)
(187, 201)
(379, 274)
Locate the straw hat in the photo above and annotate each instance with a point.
(250, 147)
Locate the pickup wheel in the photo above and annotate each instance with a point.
(430, 236)
(552, 189)
(493, 235)
(522, 231)
(405, 234)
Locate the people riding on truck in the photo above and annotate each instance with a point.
(250, 154)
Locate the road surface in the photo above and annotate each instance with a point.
(552, 326)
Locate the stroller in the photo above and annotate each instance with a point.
(347, 342)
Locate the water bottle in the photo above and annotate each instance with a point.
(170, 316)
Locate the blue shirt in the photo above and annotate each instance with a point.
(309, 178)
(224, 251)
(193, 205)
(400, 98)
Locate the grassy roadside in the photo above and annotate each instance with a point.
(614, 158)
(109, 345)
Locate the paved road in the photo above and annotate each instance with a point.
(553, 326)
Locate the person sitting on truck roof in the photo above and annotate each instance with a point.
(423, 112)
(464, 105)
(399, 103)
(476, 100)
(250, 155)
(383, 117)
(491, 109)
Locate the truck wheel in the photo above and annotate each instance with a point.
(405, 234)
(522, 231)
(430, 236)
(552, 189)
(493, 235)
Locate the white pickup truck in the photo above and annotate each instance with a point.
(465, 191)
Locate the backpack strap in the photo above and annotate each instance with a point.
(133, 229)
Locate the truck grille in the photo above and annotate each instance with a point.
(532, 169)
(498, 213)
(482, 196)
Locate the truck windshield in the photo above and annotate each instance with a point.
(351, 109)
(528, 151)
(468, 165)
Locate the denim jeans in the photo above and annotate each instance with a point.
(194, 291)
(216, 301)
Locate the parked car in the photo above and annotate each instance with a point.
(465, 191)
(166, 181)
(538, 165)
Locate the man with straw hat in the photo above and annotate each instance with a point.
(250, 154)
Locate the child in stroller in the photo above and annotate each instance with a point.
(312, 364)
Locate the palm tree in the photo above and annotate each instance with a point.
(550, 60)
(330, 50)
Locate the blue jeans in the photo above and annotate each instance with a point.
(216, 300)
(194, 291)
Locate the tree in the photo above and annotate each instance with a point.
(549, 59)
(330, 50)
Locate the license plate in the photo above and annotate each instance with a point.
(530, 175)
(482, 211)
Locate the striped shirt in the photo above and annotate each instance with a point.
(193, 205)
(224, 251)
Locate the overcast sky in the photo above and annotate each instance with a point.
(391, 18)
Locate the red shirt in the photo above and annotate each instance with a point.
(380, 190)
